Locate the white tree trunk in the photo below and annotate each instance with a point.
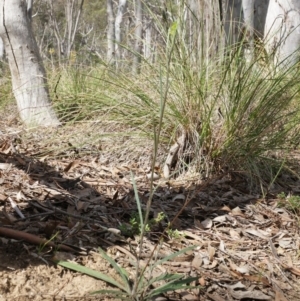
(1, 49)
(282, 31)
(118, 22)
(73, 13)
(110, 32)
(138, 34)
(250, 14)
(27, 71)
(148, 40)
(248, 10)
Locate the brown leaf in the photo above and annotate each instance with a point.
(211, 253)
(257, 295)
(292, 269)
(259, 233)
(202, 281)
(215, 297)
(71, 165)
(197, 261)
(237, 212)
(234, 234)
(279, 296)
(82, 206)
(255, 278)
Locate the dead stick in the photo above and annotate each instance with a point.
(20, 235)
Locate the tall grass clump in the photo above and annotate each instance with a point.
(75, 90)
(6, 94)
(226, 111)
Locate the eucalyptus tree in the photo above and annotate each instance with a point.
(135, 23)
(65, 32)
(282, 31)
(138, 35)
(110, 32)
(27, 71)
(278, 22)
(118, 27)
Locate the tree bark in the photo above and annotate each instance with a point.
(138, 35)
(260, 13)
(248, 10)
(282, 31)
(27, 71)
(118, 22)
(110, 32)
(72, 14)
(148, 40)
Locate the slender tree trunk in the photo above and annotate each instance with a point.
(260, 14)
(27, 71)
(118, 36)
(1, 49)
(248, 9)
(282, 31)
(138, 37)
(110, 32)
(148, 40)
(72, 18)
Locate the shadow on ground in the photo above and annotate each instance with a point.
(82, 203)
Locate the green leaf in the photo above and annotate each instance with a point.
(166, 277)
(138, 203)
(85, 270)
(173, 29)
(118, 269)
(174, 255)
(113, 293)
(142, 283)
(173, 285)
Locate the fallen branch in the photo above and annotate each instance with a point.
(33, 239)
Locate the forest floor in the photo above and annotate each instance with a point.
(248, 247)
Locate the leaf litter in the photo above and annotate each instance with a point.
(63, 203)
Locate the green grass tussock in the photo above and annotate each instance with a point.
(232, 113)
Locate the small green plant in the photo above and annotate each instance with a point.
(281, 196)
(146, 287)
(43, 245)
(291, 203)
(174, 234)
(134, 226)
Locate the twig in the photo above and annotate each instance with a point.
(20, 235)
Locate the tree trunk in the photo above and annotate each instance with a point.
(248, 10)
(118, 22)
(110, 32)
(138, 35)
(73, 13)
(282, 31)
(260, 13)
(1, 49)
(148, 40)
(27, 71)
